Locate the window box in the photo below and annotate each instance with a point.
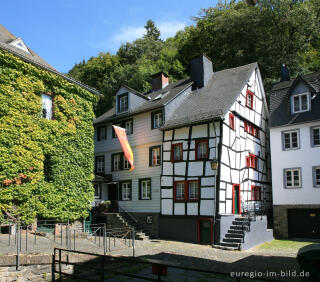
(145, 189)
(255, 193)
(156, 119)
(231, 121)
(201, 149)
(249, 99)
(99, 165)
(125, 190)
(176, 152)
(315, 136)
(300, 103)
(290, 140)
(101, 133)
(155, 156)
(316, 176)
(186, 191)
(292, 178)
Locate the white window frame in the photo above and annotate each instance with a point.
(123, 103)
(157, 120)
(290, 133)
(98, 186)
(202, 150)
(314, 175)
(103, 136)
(312, 135)
(128, 126)
(117, 162)
(100, 164)
(157, 157)
(126, 191)
(182, 188)
(292, 170)
(145, 186)
(300, 102)
(126, 164)
(47, 106)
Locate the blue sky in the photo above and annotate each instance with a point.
(63, 32)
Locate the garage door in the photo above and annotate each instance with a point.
(304, 223)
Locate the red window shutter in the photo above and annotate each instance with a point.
(231, 121)
(245, 126)
(251, 129)
(248, 161)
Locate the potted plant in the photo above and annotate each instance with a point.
(104, 206)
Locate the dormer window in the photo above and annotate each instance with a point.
(123, 102)
(46, 106)
(249, 99)
(300, 103)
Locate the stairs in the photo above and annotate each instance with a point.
(233, 239)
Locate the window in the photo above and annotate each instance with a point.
(100, 164)
(300, 103)
(249, 99)
(290, 140)
(186, 190)
(292, 178)
(116, 162)
(123, 102)
(231, 121)
(316, 176)
(156, 119)
(155, 156)
(252, 161)
(126, 164)
(114, 135)
(128, 125)
(315, 136)
(97, 190)
(202, 149)
(255, 193)
(47, 105)
(101, 133)
(125, 190)
(145, 189)
(251, 129)
(176, 152)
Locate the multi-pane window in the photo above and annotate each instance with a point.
(249, 99)
(186, 190)
(126, 191)
(292, 178)
(100, 164)
(116, 162)
(126, 164)
(145, 189)
(128, 125)
(231, 121)
(176, 152)
(193, 190)
(201, 149)
(251, 129)
(290, 139)
(123, 103)
(252, 161)
(300, 103)
(101, 133)
(315, 136)
(97, 190)
(316, 176)
(179, 191)
(256, 193)
(155, 156)
(156, 119)
(47, 105)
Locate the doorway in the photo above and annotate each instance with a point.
(236, 208)
(205, 230)
(112, 192)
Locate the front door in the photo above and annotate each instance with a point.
(236, 199)
(205, 231)
(112, 192)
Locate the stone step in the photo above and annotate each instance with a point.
(233, 235)
(225, 248)
(240, 218)
(232, 240)
(235, 246)
(232, 231)
(242, 222)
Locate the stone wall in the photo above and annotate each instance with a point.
(280, 218)
(154, 227)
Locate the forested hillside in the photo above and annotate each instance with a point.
(232, 33)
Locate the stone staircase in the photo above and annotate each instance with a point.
(234, 238)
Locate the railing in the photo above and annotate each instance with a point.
(122, 210)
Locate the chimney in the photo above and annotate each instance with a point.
(201, 70)
(285, 75)
(159, 81)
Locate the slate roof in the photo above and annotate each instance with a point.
(6, 37)
(280, 108)
(214, 100)
(169, 92)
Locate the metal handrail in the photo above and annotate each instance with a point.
(122, 210)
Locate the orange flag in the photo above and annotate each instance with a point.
(122, 136)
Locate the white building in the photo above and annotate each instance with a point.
(295, 153)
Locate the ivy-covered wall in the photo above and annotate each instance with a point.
(46, 166)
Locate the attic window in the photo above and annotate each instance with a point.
(249, 99)
(18, 43)
(300, 103)
(123, 102)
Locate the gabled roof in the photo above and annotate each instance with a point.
(280, 106)
(6, 40)
(214, 100)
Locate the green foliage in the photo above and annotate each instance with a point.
(31, 146)
(152, 31)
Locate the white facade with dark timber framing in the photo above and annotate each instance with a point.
(295, 155)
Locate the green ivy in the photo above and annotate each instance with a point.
(28, 141)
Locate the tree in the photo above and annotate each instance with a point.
(152, 31)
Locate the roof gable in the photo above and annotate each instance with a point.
(295, 83)
(18, 43)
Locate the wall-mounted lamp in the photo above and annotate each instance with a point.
(214, 164)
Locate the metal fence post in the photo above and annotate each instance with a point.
(26, 238)
(60, 270)
(18, 247)
(53, 267)
(74, 239)
(133, 237)
(104, 239)
(61, 233)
